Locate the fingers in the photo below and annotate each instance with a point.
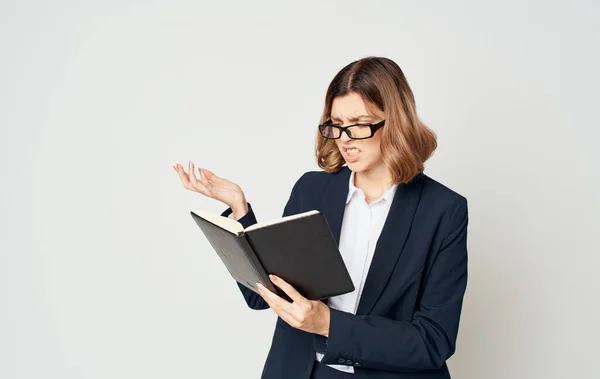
(182, 175)
(191, 174)
(288, 289)
(285, 315)
(279, 305)
(201, 182)
(210, 176)
(202, 176)
(190, 181)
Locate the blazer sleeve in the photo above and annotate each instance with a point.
(429, 339)
(254, 300)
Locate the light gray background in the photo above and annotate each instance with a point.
(103, 273)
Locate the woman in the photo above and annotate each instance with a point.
(402, 235)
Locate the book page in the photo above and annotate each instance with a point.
(224, 222)
(280, 220)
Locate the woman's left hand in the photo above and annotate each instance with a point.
(309, 315)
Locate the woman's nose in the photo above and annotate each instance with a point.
(344, 137)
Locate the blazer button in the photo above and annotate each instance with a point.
(349, 362)
(341, 360)
(357, 364)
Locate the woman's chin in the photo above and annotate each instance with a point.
(355, 166)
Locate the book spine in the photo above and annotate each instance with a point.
(258, 267)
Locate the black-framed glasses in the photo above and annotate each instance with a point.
(354, 131)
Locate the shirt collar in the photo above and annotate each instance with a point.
(352, 189)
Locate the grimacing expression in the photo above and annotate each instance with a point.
(351, 109)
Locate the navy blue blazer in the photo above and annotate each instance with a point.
(407, 319)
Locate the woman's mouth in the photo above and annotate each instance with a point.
(351, 154)
(352, 151)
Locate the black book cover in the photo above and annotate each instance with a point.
(302, 251)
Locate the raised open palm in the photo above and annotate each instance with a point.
(211, 185)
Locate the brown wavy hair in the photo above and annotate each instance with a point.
(406, 143)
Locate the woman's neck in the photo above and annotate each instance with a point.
(373, 182)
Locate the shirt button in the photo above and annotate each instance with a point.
(341, 360)
(349, 362)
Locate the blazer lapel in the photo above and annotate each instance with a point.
(393, 235)
(391, 242)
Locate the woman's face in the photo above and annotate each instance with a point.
(351, 109)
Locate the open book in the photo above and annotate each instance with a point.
(298, 248)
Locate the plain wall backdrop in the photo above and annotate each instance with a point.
(104, 274)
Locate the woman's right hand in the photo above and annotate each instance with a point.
(215, 187)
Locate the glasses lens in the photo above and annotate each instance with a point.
(360, 131)
(329, 131)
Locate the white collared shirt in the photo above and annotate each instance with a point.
(361, 227)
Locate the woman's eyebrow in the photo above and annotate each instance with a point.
(355, 118)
